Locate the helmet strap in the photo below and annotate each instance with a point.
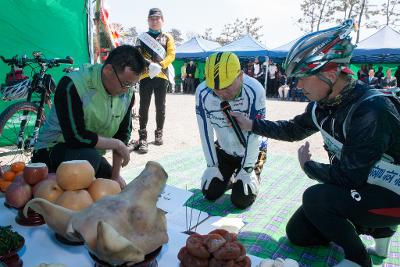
(328, 82)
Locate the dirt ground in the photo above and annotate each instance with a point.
(181, 132)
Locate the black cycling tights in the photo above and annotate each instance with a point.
(147, 86)
(332, 213)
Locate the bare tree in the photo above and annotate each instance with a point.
(130, 36)
(315, 12)
(226, 35)
(177, 34)
(190, 35)
(391, 12)
(363, 6)
(207, 34)
(350, 8)
(118, 27)
(250, 27)
(232, 32)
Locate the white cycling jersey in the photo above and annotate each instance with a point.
(213, 125)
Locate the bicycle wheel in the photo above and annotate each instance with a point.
(10, 122)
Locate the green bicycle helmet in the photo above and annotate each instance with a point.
(320, 50)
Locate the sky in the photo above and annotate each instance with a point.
(278, 17)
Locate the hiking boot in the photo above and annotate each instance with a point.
(143, 147)
(158, 137)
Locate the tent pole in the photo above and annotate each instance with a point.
(266, 75)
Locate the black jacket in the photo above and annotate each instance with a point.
(373, 131)
(373, 83)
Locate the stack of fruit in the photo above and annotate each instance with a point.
(7, 177)
(24, 183)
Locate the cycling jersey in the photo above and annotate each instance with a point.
(214, 126)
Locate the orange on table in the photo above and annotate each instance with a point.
(4, 185)
(9, 176)
(18, 166)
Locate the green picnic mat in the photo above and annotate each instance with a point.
(282, 186)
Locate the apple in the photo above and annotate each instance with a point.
(18, 194)
(35, 172)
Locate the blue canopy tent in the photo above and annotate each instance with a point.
(278, 54)
(195, 48)
(381, 47)
(246, 46)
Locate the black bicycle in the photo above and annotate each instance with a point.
(20, 122)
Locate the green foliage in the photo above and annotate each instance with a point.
(9, 240)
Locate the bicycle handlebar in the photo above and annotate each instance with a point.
(67, 60)
(22, 61)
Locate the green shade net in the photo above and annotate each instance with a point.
(356, 67)
(57, 28)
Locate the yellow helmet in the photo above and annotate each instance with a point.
(222, 69)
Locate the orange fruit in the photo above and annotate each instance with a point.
(9, 176)
(19, 173)
(4, 185)
(18, 166)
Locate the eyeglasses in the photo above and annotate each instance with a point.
(123, 84)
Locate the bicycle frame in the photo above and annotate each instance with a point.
(45, 93)
(38, 85)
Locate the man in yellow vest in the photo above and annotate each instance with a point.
(91, 114)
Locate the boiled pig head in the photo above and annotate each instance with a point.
(119, 228)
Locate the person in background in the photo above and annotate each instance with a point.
(91, 114)
(230, 163)
(183, 77)
(397, 75)
(371, 80)
(379, 74)
(389, 81)
(284, 88)
(158, 48)
(190, 71)
(272, 71)
(196, 75)
(258, 71)
(250, 69)
(362, 72)
(357, 193)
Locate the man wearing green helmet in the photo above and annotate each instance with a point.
(231, 162)
(359, 191)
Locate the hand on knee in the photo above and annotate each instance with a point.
(215, 189)
(239, 198)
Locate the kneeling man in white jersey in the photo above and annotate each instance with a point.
(234, 159)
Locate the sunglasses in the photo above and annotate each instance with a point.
(123, 84)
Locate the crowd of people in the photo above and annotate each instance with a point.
(92, 113)
(278, 85)
(378, 79)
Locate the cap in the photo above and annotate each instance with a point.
(222, 69)
(155, 12)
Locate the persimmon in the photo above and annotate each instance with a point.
(4, 185)
(9, 176)
(18, 166)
